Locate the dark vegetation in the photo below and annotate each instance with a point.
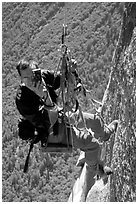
(33, 30)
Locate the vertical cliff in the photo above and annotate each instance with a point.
(120, 103)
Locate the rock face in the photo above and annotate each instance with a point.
(120, 103)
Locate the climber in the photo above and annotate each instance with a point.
(35, 96)
(89, 139)
(90, 142)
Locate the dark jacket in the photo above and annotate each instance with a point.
(28, 102)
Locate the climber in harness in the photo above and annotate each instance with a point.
(35, 98)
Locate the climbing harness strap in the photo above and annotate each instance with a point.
(27, 158)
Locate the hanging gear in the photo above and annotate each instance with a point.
(69, 76)
(70, 84)
(64, 73)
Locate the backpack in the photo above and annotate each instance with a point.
(26, 130)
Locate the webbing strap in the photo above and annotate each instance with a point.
(27, 158)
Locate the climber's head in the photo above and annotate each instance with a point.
(25, 70)
(22, 66)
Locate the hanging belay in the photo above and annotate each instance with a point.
(68, 84)
(63, 141)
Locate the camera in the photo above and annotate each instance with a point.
(37, 75)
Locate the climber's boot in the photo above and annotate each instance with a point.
(113, 126)
(108, 171)
(103, 171)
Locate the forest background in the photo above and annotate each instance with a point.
(33, 30)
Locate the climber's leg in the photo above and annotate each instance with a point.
(94, 157)
(96, 124)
